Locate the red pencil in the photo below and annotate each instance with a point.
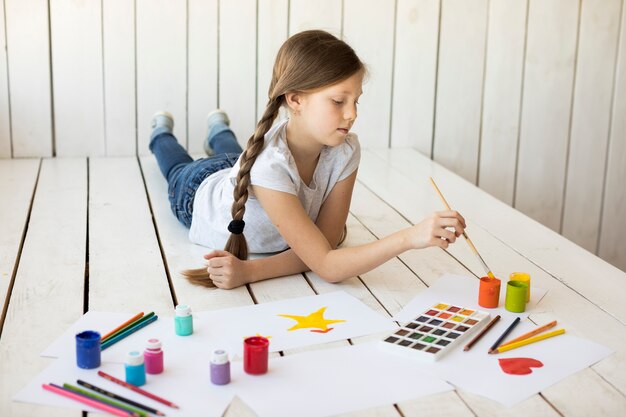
(137, 389)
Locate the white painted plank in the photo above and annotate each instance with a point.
(120, 100)
(323, 14)
(375, 49)
(76, 47)
(237, 65)
(29, 68)
(415, 74)
(201, 68)
(573, 310)
(552, 252)
(459, 85)
(126, 271)
(48, 292)
(502, 94)
(5, 131)
(548, 80)
(611, 246)
(597, 48)
(17, 185)
(161, 66)
(180, 253)
(273, 26)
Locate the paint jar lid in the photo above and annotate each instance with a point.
(153, 344)
(134, 358)
(219, 357)
(183, 310)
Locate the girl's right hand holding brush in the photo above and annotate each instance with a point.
(439, 229)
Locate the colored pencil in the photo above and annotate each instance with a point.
(119, 397)
(467, 239)
(133, 410)
(529, 341)
(504, 335)
(85, 400)
(482, 333)
(121, 326)
(531, 333)
(137, 389)
(127, 333)
(133, 324)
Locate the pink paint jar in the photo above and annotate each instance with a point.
(153, 356)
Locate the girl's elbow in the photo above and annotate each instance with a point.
(330, 277)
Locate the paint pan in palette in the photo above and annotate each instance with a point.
(436, 331)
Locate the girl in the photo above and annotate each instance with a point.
(293, 183)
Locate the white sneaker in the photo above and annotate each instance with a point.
(213, 118)
(162, 119)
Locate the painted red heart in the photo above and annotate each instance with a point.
(519, 366)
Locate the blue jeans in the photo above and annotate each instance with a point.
(183, 174)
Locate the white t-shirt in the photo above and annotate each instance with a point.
(275, 169)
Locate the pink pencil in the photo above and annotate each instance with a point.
(84, 400)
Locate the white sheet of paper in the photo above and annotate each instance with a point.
(183, 382)
(227, 328)
(335, 381)
(462, 291)
(264, 319)
(480, 373)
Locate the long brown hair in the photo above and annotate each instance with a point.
(306, 61)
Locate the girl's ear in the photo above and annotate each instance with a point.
(294, 101)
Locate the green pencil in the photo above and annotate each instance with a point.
(128, 326)
(106, 400)
(127, 332)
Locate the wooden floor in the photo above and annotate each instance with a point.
(97, 234)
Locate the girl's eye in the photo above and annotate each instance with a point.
(337, 102)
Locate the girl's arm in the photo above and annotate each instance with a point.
(334, 265)
(229, 272)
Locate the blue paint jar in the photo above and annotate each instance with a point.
(183, 322)
(135, 368)
(88, 349)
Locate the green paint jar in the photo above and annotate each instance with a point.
(516, 292)
(183, 322)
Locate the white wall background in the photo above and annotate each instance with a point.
(525, 98)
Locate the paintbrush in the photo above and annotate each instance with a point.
(467, 239)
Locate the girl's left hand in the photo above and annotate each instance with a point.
(225, 270)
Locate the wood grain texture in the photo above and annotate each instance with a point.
(502, 97)
(120, 87)
(5, 127)
(611, 247)
(76, 47)
(415, 74)
(48, 293)
(459, 85)
(28, 54)
(546, 109)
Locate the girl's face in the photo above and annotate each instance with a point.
(327, 114)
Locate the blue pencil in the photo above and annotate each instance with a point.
(127, 332)
(505, 334)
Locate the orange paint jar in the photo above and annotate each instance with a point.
(489, 292)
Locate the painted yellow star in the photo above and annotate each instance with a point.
(314, 320)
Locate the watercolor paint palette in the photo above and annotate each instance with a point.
(436, 331)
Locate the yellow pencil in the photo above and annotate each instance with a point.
(467, 239)
(531, 333)
(528, 341)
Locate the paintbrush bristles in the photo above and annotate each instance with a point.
(199, 276)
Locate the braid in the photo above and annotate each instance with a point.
(237, 244)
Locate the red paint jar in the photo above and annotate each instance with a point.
(255, 355)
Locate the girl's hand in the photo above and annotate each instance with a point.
(434, 230)
(225, 270)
